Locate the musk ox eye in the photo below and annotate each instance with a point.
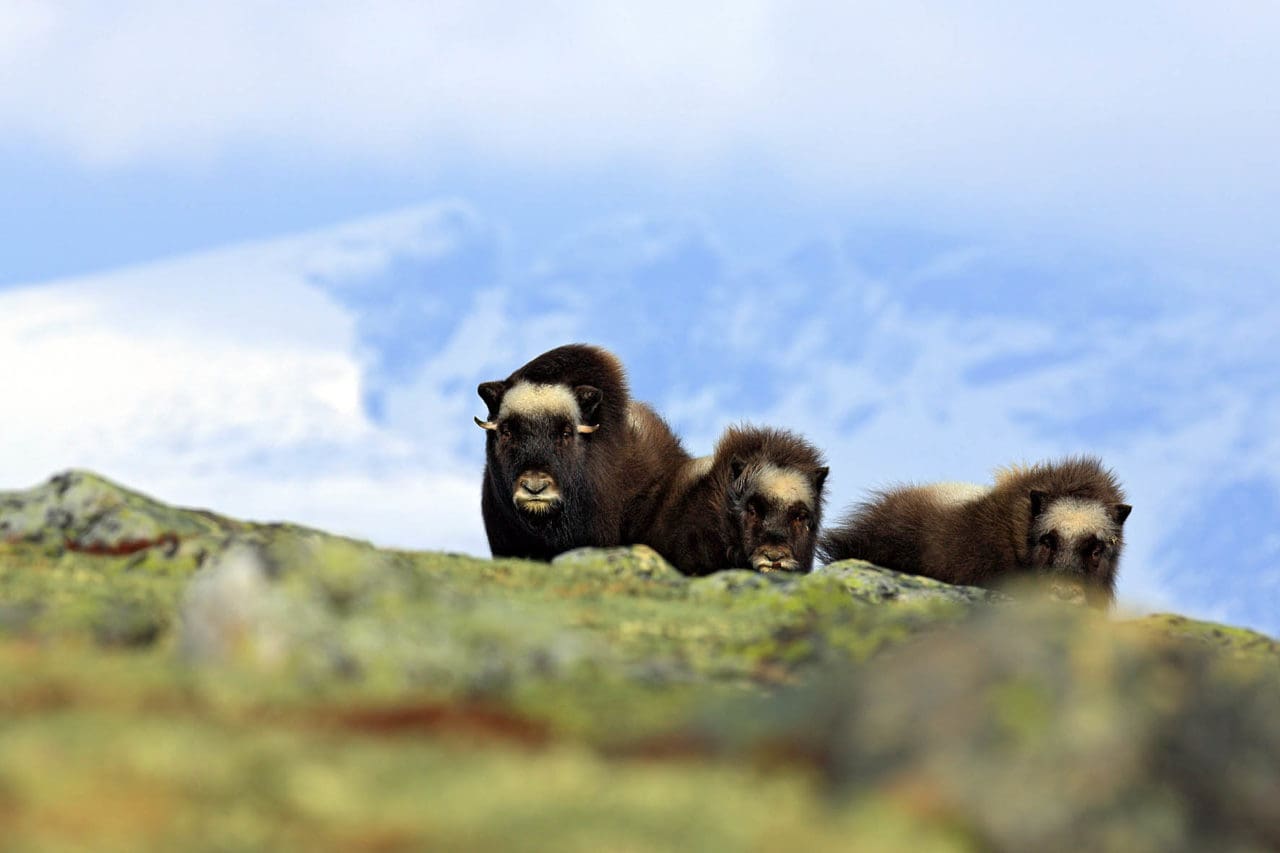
(1096, 553)
(1050, 541)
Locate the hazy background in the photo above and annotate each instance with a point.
(257, 256)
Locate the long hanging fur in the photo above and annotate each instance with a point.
(756, 502)
(578, 432)
(1060, 518)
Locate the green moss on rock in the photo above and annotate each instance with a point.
(1239, 643)
(81, 511)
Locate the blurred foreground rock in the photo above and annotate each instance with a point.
(176, 679)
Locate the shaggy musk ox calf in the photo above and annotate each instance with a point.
(1062, 521)
(756, 502)
(568, 454)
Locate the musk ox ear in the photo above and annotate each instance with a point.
(1119, 512)
(1039, 502)
(589, 398)
(819, 478)
(492, 393)
(736, 466)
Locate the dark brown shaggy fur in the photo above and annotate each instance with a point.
(993, 537)
(603, 478)
(722, 517)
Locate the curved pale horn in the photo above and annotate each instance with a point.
(587, 430)
(488, 425)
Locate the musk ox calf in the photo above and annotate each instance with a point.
(756, 502)
(569, 457)
(1058, 520)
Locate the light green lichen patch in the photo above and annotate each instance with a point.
(79, 509)
(110, 599)
(876, 585)
(1235, 642)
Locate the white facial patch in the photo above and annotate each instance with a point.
(785, 486)
(1074, 518)
(532, 400)
(955, 494)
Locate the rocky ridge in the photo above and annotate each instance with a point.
(177, 678)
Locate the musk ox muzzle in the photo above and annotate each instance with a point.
(774, 558)
(536, 493)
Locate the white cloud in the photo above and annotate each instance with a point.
(1155, 118)
(23, 27)
(165, 81)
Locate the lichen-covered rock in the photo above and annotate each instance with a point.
(287, 688)
(876, 585)
(1041, 729)
(80, 555)
(1230, 641)
(80, 511)
(639, 561)
(326, 608)
(318, 608)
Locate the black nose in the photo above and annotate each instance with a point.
(535, 484)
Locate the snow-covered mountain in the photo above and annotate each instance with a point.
(330, 378)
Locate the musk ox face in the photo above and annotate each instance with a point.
(1076, 543)
(537, 437)
(776, 512)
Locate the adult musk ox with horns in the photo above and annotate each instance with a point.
(757, 502)
(570, 458)
(1061, 522)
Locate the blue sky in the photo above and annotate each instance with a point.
(935, 237)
